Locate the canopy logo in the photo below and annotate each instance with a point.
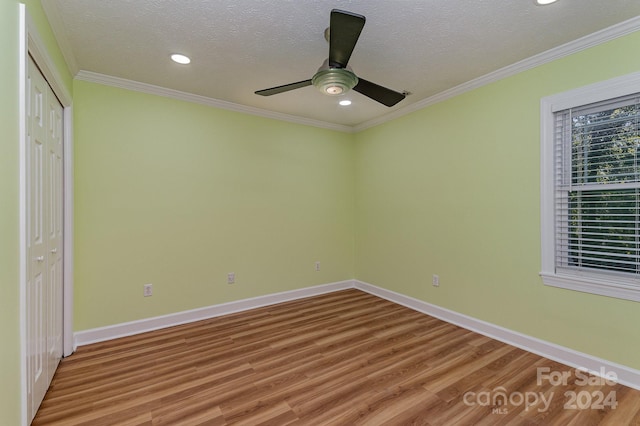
(500, 400)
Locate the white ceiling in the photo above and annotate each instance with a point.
(240, 46)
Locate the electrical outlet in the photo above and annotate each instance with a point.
(231, 277)
(147, 290)
(435, 280)
(317, 266)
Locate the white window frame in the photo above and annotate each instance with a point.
(605, 285)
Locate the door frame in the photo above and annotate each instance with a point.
(31, 45)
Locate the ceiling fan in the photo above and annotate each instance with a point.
(335, 77)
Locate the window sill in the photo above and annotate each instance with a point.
(593, 285)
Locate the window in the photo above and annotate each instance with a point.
(590, 187)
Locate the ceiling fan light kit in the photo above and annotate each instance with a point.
(334, 76)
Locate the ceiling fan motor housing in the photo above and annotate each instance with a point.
(334, 81)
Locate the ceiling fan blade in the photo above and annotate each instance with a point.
(344, 30)
(283, 88)
(378, 93)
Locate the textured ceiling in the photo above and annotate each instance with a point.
(240, 46)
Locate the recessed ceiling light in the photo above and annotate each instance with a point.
(181, 59)
(544, 2)
(345, 102)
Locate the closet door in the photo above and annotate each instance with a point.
(54, 234)
(44, 237)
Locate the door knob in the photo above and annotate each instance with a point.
(39, 258)
(54, 251)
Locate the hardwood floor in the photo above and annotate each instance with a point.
(344, 358)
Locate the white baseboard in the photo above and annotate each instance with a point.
(579, 360)
(102, 334)
(625, 375)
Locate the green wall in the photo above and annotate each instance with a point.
(179, 194)
(454, 190)
(9, 243)
(10, 382)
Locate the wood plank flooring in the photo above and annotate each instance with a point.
(344, 358)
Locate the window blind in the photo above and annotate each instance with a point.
(597, 187)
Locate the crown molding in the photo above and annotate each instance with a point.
(37, 49)
(611, 33)
(57, 27)
(122, 83)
